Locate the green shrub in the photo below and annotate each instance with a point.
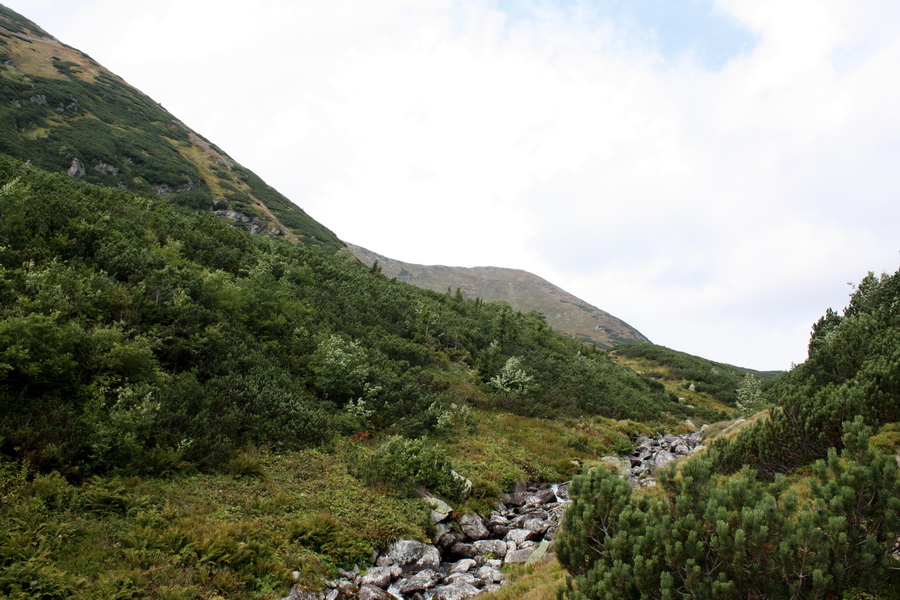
(740, 536)
(405, 465)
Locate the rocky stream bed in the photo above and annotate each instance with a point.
(468, 551)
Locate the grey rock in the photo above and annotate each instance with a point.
(410, 555)
(76, 169)
(381, 577)
(461, 577)
(662, 458)
(518, 536)
(494, 548)
(472, 526)
(463, 565)
(488, 575)
(463, 550)
(440, 510)
(371, 592)
(518, 556)
(448, 540)
(456, 591)
(515, 499)
(539, 552)
(537, 526)
(107, 168)
(300, 594)
(419, 582)
(620, 465)
(546, 496)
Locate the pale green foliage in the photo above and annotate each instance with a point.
(750, 396)
(513, 378)
(342, 371)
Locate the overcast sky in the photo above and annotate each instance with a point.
(714, 172)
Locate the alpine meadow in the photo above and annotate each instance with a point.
(205, 393)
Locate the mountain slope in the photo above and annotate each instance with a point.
(64, 112)
(522, 290)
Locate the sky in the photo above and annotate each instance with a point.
(717, 173)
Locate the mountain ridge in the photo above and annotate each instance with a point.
(523, 291)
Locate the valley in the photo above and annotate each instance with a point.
(204, 393)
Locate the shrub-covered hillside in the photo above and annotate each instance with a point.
(135, 335)
(802, 503)
(63, 111)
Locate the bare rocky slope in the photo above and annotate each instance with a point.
(522, 290)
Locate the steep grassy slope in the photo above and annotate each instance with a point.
(522, 290)
(64, 112)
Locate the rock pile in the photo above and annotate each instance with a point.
(469, 550)
(467, 554)
(653, 453)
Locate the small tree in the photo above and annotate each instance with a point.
(513, 378)
(750, 395)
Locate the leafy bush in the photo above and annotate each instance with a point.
(405, 465)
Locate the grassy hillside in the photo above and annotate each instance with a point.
(522, 290)
(62, 111)
(715, 389)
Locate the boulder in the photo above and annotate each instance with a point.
(456, 591)
(494, 548)
(472, 526)
(488, 575)
(536, 526)
(463, 565)
(440, 510)
(380, 577)
(410, 556)
(518, 556)
(662, 458)
(463, 550)
(449, 539)
(371, 592)
(518, 536)
(539, 552)
(419, 582)
(299, 594)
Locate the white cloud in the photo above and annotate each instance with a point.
(719, 211)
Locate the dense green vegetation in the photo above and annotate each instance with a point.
(797, 505)
(716, 379)
(853, 370)
(722, 537)
(136, 335)
(152, 360)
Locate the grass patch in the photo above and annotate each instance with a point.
(197, 535)
(539, 581)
